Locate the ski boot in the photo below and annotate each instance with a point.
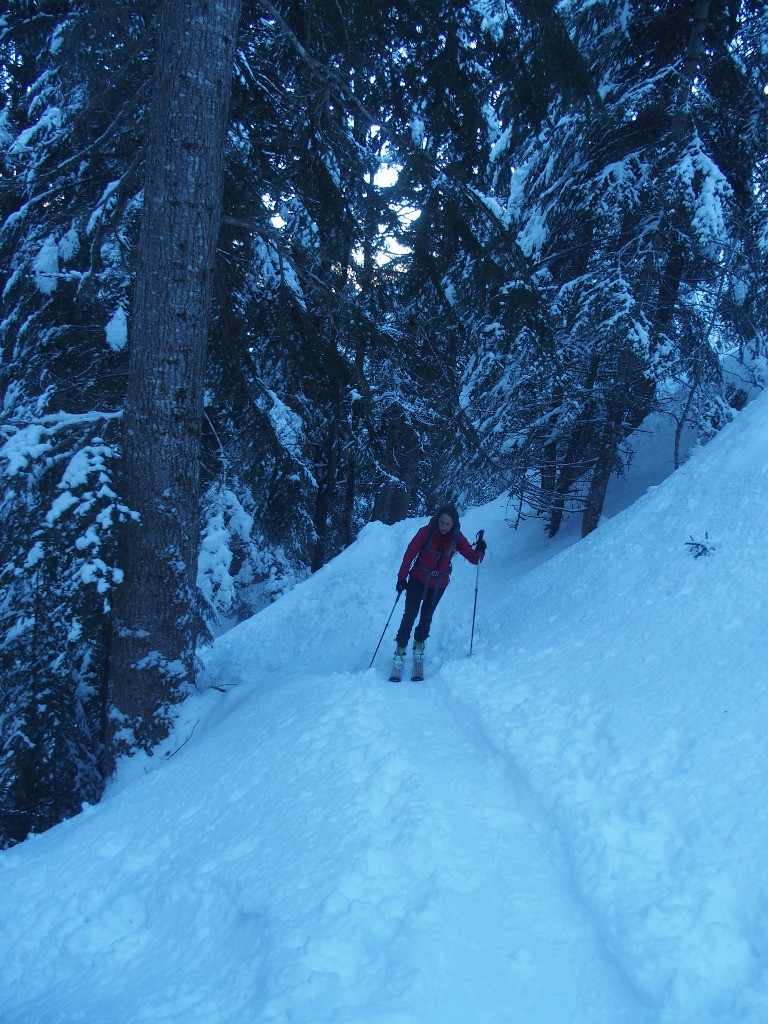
(397, 665)
(417, 673)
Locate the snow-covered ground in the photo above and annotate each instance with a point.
(568, 827)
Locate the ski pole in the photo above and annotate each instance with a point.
(477, 580)
(378, 645)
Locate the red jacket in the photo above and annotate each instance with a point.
(436, 558)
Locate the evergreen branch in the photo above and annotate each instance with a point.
(403, 143)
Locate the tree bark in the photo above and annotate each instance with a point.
(326, 486)
(154, 623)
(629, 401)
(574, 462)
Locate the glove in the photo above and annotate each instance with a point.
(400, 586)
(481, 546)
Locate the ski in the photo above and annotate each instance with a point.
(395, 677)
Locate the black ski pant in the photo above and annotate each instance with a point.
(418, 597)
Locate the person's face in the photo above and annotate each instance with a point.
(445, 524)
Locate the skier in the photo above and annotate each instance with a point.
(424, 574)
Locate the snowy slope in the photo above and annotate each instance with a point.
(566, 828)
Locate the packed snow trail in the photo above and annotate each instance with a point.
(447, 889)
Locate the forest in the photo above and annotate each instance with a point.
(274, 270)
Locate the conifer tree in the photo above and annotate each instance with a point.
(72, 77)
(632, 207)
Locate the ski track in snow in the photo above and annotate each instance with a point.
(444, 832)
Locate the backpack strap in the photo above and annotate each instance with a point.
(443, 554)
(423, 547)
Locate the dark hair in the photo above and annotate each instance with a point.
(449, 510)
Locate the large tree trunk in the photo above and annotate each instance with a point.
(154, 627)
